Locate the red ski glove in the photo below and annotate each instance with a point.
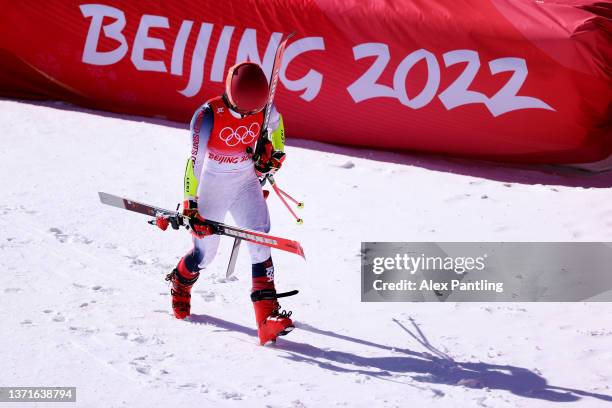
(190, 207)
(161, 222)
(270, 160)
(199, 227)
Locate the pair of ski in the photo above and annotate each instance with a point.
(178, 220)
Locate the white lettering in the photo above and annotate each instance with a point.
(366, 86)
(457, 94)
(143, 42)
(178, 52)
(506, 99)
(97, 12)
(217, 72)
(247, 50)
(433, 79)
(197, 61)
(312, 81)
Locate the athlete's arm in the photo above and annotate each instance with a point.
(276, 129)
(200, 128)
(273, 156)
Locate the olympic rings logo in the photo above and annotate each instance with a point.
(242, 134)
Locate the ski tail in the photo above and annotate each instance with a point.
(130, 205)
(278, 59)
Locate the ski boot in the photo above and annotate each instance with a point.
(181, 290)
(271, 321)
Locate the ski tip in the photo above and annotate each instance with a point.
(294, 247)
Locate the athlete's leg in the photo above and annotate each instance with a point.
(216, 192)
(250, 210)
(215, 196)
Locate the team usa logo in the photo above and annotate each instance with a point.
(241, 134)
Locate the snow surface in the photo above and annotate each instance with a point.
(84, 303)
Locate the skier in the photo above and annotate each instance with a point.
(221, 176)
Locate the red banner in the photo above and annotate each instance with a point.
(499, 79)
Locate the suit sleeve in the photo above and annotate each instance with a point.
(276, 129)
(200, 129)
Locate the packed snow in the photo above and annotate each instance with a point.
(84, 303)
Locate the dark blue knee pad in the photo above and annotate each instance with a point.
(193, 260)
(265, 268)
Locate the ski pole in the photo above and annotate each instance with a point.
(299, 204)
(281, 194)
(276, 190)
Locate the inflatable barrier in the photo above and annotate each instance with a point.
(514, 80)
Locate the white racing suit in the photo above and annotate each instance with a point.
(221, 176)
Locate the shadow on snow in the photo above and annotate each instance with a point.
(433, 366)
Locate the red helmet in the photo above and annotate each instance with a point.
(246, 88)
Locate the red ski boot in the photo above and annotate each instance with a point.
(181, 290)
(271, 321)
